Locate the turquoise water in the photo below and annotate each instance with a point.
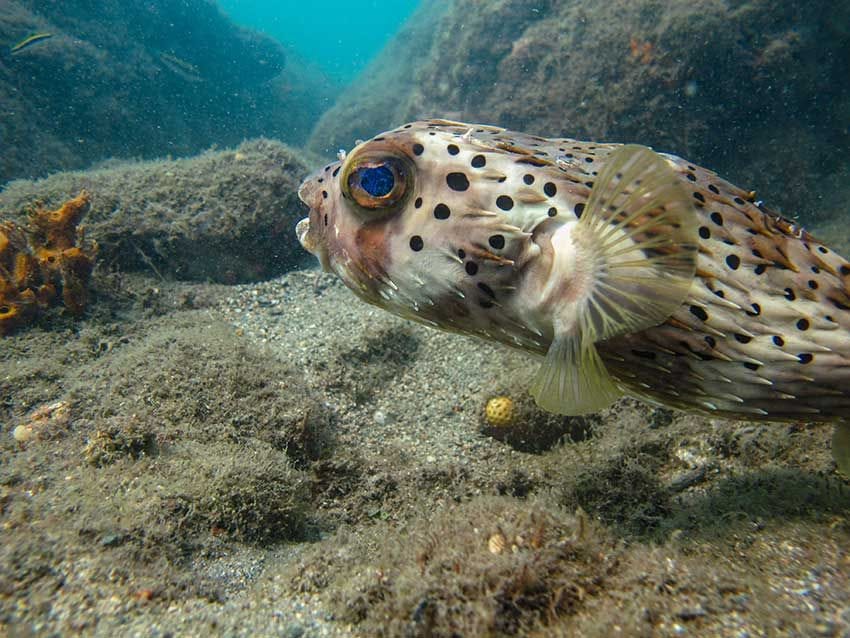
(341, 37)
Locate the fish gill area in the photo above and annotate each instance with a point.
(227, 442)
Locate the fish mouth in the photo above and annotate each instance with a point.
(308, 242)
(301, 230)
(308, 193)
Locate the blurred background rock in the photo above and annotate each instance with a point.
(145, 79)
(754, 90)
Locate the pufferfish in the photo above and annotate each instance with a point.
(628, 271)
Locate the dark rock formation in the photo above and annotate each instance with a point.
(140, 79)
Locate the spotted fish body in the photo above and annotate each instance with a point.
(478, 235)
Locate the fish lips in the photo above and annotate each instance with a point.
(310, 194)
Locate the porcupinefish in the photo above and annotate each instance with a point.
(629, 271)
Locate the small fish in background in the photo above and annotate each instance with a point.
(629, 271)
(29, 41)
(181, 67)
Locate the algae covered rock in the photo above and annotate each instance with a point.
(200, 382)
(734, 86)
(491, 566)
(118, 79)
(179, 443)
(224, 216)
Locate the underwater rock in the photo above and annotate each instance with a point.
(117, 79)
(42, 259)
(225, 216)
(733, 85)
(490, 566)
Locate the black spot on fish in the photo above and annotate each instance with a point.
(805, 357)
(471, 268)
(803, 324)
(733, 261)
(453, 149)
(528, 178)
(713, 189)
(479, 161)
(756, 310)
(418, 203)
(457, 181)
(418, 149)
(704, 232)
(751, 366)
(644, 354)
(504, 202)
(416, 243)
(742, 338)
(552, 211)
(579, 209)
(789, 294)
(487, 290)
(441, 211)
(778, 341)
(550, 189)
(497, 241)
(699, 197)
(699, 312)
(717, 218)
(813, 284)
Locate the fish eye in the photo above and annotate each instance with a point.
(377, 181)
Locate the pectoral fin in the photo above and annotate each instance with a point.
(638, 236)
(573, 379)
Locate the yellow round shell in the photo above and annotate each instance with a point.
(500, 412)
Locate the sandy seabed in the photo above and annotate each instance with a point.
(282, 459)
